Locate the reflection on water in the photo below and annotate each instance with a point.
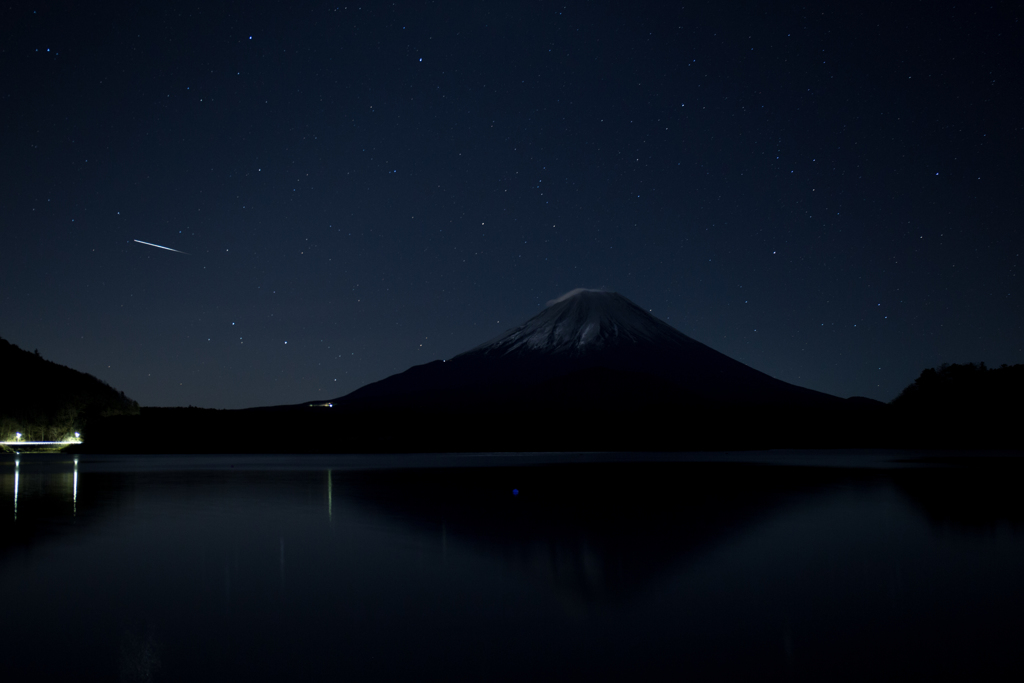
(608, 570)
(48, 475)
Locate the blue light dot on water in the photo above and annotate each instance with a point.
(515, 492)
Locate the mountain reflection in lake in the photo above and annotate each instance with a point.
(224, 568)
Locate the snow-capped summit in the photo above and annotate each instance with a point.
(583, 320)
(587, 347)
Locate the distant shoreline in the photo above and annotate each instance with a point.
(662, 429)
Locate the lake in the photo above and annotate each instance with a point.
(732, 566)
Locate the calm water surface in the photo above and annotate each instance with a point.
(756, 566)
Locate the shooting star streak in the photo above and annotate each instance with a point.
(149, 244)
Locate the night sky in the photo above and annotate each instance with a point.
(831, 193)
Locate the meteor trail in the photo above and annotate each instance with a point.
(149, 244)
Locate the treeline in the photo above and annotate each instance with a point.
(966, 406)
(966, 386)
(45, 401)
(953, 406)
(327, 430)
(962, 406)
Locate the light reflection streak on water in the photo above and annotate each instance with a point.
(17, 469)
(74, 490)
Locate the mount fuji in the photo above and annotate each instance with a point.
(591, 372)
(586, 349)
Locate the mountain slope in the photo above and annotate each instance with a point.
(592, 348)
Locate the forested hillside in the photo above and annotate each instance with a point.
(45, 401)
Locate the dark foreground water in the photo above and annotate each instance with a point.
(757, 566)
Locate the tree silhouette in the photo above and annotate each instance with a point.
(964, 405)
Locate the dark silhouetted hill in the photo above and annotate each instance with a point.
(965, 386)
(49, 402)
(963, 406)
